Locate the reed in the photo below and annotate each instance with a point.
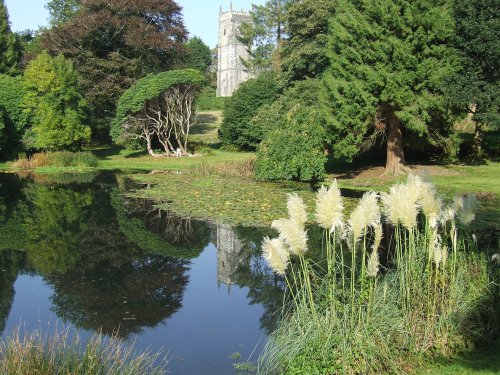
(356, 314)
(62, 353)
(57, 159)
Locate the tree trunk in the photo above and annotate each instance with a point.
(395, 155)
(477, 143)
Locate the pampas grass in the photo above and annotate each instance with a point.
(388, 313)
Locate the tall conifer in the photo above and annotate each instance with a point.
(9, 48)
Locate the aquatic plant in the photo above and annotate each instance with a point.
(64, 353)
(357, 313)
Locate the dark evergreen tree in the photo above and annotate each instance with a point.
(199, 54)
(9, 47)
(237, 129)
(476, 88)
(389, 60)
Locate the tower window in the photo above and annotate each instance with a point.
(224, 31)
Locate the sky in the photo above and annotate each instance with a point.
(201, 17)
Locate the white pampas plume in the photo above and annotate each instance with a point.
(444, 255)
(329, 207)
(366, 214)
(276, 255)
(373, 264)
(431, 204)
(438, 256)
(466, 208)
(292, 234)
(378, 237)
(296, 209)
(448, 214)
(401, 203)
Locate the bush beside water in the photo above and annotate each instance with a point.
(58, 159)
(385, 295)
(61, 354)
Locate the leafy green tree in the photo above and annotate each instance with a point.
(236, 128)
(199, 54)
(304, 52)
(388, 63)
(293, 147)
(476, 88)
(120, 42)
(61, 11)
(263, 37)
(54, 104)
(9, 47)
(14, 120)
(159, 107)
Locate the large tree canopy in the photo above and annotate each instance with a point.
(114, 43)
(304, 52)
(388, 62)
(159, 107)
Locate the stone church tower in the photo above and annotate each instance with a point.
(230, 70)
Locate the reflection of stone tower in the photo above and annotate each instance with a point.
(228, 249)
(230, 70)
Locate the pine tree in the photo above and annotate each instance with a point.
(388, 62)
(9, 48)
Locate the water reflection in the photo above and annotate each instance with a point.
(118, 264)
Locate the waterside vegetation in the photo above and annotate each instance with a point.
(403, 278)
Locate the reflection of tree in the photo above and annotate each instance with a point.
(10, 263)
(123, 295)
(157, 231)
(56, 226)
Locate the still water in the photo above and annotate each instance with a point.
(76, 252)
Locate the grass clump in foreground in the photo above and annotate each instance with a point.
(61, 354)
(57, 159)
(386, 295)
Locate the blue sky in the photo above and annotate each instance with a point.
(201, 17)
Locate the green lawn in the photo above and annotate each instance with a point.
(483, 361)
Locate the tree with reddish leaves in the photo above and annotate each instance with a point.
(113, 43)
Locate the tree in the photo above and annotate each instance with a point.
(61, 11)
(160, 107)
(9, 47)
(236, 128)
(476, 88)
(388, 62)
(14, 120)
(304, 52)
(263, 37)
(294, 144)
(199, 55)
(54, 104)
(121, 41)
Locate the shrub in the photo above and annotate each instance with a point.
(373, 304)
(63, 354)
(244, 168)
(294, 151)
(236, 128)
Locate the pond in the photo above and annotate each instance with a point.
(76, 252)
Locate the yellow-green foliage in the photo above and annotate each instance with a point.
(54, 104)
